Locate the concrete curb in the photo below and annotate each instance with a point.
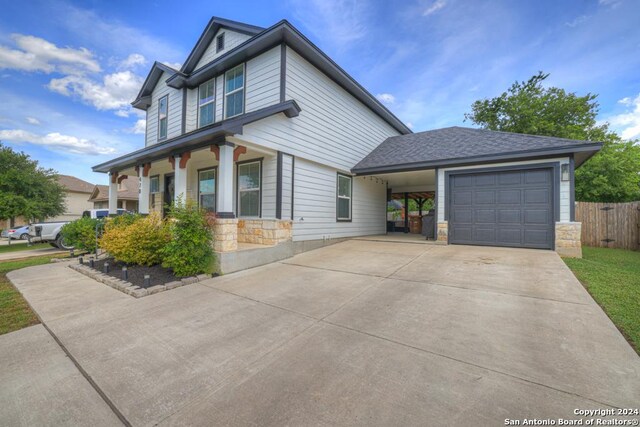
(131, 289)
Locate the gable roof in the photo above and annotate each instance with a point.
(143, 100)
(458, 146)
(285, 32)
(129, 191)
(71, 183)
(209, 33)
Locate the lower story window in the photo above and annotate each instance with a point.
(249, 185)
(155, 197)
(344, 198)
(207, 189)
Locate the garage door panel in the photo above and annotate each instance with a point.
(485, 216)
(537, 195)
(509, 216)
(462, 216)
(463, 198)
(483, 197)
(540, 176)
(506, 208)
(510, 178)
(512, 236)
(536, 217)
(509, 196)
(484, 179)
(484, 235)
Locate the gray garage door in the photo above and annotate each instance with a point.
(510, 208)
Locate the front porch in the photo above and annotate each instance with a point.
(243, 187)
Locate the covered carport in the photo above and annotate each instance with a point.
(491, 188)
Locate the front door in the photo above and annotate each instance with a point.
(169, 192)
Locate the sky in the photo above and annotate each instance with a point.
(69, 70)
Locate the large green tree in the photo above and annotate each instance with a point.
(26, 189)
(612, 175)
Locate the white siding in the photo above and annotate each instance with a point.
(565, 189)
(219, 100)
(262, 80)
(269, 178)
(333, 127)
(231, 40)
(315, 204)
(174, 125)
(192, 110)
(287, 185)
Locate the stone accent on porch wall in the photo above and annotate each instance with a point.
(568, 239)
(268, 232)
(443, 231)
(225, 234)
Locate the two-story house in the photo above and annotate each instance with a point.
(262, 128)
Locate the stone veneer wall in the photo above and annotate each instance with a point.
(225, 234)
(443, 231)
(568, 240)
(264, 231)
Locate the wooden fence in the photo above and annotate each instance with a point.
(610, 225)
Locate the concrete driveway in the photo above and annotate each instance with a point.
(358, 333)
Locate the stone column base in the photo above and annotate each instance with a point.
(568, 239)
(225, 234)
(443, 232)
(264, 231)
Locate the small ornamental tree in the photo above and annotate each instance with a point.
(189, 251)
(81, 233)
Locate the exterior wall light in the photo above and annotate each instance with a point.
(564, 172)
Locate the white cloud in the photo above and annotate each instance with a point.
(115, 92)
(610, 3)
(434, 7)
(174, 65)
(139, 128)
(37, 54)
(339, 22)
(132, 61)
(386, 98)
(32, 121)
(628, 123)
(56, 141)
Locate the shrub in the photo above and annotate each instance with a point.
(134, 239)
(189, 251)
(81, 233)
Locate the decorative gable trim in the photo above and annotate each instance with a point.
(143, 100)
(207, 37)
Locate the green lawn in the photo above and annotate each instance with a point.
(14, 247)
(14, 311)
(612, 277)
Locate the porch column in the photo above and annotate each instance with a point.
(406, 212)
(225, 183)
(181, 177)
(113, 193)
(143, 195)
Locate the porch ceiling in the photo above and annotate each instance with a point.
(425, 179)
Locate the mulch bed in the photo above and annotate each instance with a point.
(159, 274)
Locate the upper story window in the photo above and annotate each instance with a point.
(344, 198)
(206, 104)
(163, 110)
(234, 91)
(220, 43)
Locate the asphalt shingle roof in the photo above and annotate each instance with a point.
(71, 183)
(457, 144)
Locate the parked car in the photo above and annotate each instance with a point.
(48, 232)
(21, 232)
(101, 213)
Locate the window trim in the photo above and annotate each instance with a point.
(222, 37)
(215, 199)
(238, 164)
(338, 197)
(150, 179)
(225, 93)
(213, 101)
(160, 138)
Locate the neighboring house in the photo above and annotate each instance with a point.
(128, 194)
(76, 197)
(262, 128)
